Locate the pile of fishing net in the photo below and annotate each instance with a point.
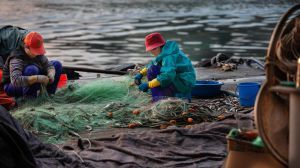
(104, 103)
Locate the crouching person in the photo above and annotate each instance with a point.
(170, 73)
(27, 68)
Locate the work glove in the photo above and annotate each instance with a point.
(51, 77)
(144, 87)
(43, 79)
(138, 78)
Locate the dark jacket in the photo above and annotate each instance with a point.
(11, 38)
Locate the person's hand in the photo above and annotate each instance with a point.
(51, 77)
(144, 87)
(43, 79)
(138, 78)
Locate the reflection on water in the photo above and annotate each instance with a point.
(103, 33)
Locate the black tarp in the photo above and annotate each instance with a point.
(203, 145)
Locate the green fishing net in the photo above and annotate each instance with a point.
(100, 104)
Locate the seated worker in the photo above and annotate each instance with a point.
(26, 67)
(170, 73)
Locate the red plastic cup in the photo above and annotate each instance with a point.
(63, 80)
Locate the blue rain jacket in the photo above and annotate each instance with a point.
(176, 68)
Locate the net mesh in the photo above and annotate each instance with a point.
(103, 103)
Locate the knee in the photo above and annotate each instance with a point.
(57, 65)
(153, 71)
(31, 70)
(7, 89)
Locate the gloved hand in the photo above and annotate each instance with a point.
(51, 75)
(138, 78)
(144, 87)
(44, 80)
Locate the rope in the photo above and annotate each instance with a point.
(288, 48)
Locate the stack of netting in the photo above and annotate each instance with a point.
(101, 104)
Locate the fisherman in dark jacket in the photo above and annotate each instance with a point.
(25, 67)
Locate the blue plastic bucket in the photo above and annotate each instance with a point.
(207, 89)
(247, 92)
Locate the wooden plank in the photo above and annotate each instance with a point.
(284, 89)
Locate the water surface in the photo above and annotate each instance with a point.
(103, 34)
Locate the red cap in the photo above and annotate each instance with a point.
(153, 41)
(35, 43)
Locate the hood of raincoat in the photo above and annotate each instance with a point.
(171, 47)
(11, 38)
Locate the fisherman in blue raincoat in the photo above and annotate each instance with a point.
(170, 73)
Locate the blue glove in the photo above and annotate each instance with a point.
(138, 78)
(144, 87)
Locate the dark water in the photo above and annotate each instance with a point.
(106, 33)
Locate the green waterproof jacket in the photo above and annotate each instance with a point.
(176, 68)
(11, 38)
